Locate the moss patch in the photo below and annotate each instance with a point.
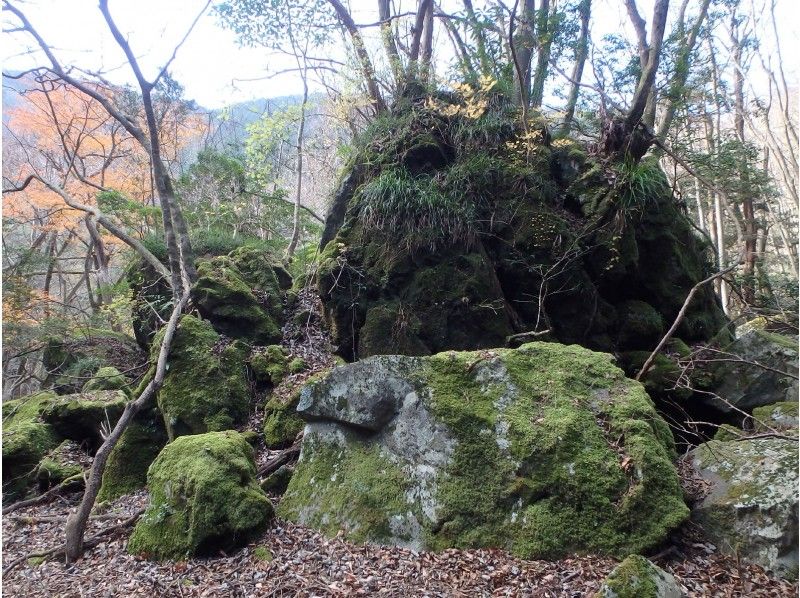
(203, 498)
(635, 577)
(106, 378)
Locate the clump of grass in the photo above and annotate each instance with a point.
(416, 212)
(639, 182)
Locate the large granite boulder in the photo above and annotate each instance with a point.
(204, 497)
(637, 577)
(543, 450)
(752, 508)
(744, 384)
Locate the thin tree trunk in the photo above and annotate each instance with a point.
(581, 52)
(544, 42)
(76, 521)
(299, 170)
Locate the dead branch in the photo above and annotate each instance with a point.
(679, 318)
(73, 482)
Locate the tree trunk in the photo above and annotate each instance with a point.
(77, 519)
(544, 42)
(523, 41)
(581, 52)
(299, 169)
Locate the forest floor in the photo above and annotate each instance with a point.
(292, 560)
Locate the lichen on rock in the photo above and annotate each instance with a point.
(204, 497)
(751, 510)
(543, 450)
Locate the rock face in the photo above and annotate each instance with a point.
(752, 508)
(454, 230)
(747, 386)
(239, 289)
(636, 577)
(205, 388)
(543, 450)
(204, 497)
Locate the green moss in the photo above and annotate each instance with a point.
(278, 481)
(370, 491)
(633, 578)
(728, 432)
(391, 329)
(782, 416)
(270, 365)
(578, 495)
(262, 553)
(26, 439)
(82, 416)
(281, 422)
(56, 466)
(661, 380)
(640, 325)
(139, 445)
(203, 498)
(106, 378)
(224, 298)
(205, 387)
(297, 365)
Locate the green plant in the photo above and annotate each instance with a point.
(637, 182)
(416, 212)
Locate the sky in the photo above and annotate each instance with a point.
(213, 68)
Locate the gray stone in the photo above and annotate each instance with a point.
(637, 576)
(752, 508)
(746, 385)
(366, 394)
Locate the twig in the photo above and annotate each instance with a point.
(679, 318)
(46, 496)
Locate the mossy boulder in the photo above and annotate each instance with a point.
(106, 378)
(543, 450)
(224, 298)
(451, 231)
(281, 422)
(205, 388)
(83, 416)
(270, 365)
(637, 577)
(743, 384)
(751, 510)
(139, 445)
(204, 497)
(72, 361)
(26, 439)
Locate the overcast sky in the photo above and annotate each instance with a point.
(211, 65)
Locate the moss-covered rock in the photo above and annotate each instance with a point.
(71, 362)
(83, 416)
(26, 439)
(139, 445)
(204, 497)
(106, 378)
(751, 510)
(543, 450)
(637, 577)
(742, 382)
(778, 416)
(205, 388)
(278, 481)
(454, 232)
(59, 464)
(223, 297)
(270, 365)
(281, 422)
